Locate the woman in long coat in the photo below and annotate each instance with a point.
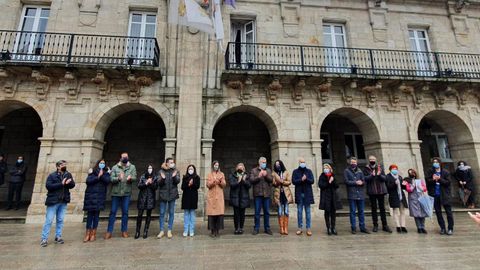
(239, 196)
(416, 188)
(190, 186)
(215, 199)
(146, 199)
(396, 197)
(282, 195)
(95, 195)
(329, 201)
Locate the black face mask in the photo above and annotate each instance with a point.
(373, 163)
(63, 169)
(239, 171)
(125, 160)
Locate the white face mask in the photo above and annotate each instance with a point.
(150, 171)
(215, 167)
(171, 165)
(190, 171)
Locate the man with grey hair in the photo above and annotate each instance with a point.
(261, 180)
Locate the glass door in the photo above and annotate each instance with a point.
(336, 56)
(243, 35)
(141, 45)
(422, 57)
(30, 41)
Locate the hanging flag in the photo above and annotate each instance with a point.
(217, 21)
(190, 13)
(230, 3)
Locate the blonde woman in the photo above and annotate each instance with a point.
(282, 195)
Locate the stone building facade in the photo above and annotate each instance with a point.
(349, 78)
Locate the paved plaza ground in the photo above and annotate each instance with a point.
(20, 249)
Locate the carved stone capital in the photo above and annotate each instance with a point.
(273, 90)
(70, 84)
(42, 85)
(298, 90)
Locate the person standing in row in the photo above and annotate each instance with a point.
(396, 197)
(463, 175)
(3, 168)
(438, 185)
(15, 185)
(376, 189)
(147, 186)
(261, 180)
(215, 199)
(123, 175)
(282, 195)
(190, 186)
(416, 188)
(329, 201)
(302, 178)
(239, 196)
(58, 187)
(95, 195)
(168, 185)
(355, 182)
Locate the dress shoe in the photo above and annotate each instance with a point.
(107, 236)
(309, 233)
(386, 229)
(404, 230)
(449, 232)
(442, 231)
(375, 228)
(399, 230)
(329, 232)
(268, 231)
(124, 234)
(334, 231)
(365, 231)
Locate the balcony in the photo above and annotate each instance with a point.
(351, 62)
(77, 50)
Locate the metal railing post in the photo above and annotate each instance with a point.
(372, 63)
(302, 59)
(70, 48)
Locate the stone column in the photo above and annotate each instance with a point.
(204, 168)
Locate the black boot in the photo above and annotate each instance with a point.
(139, 226)
(334, 231)
(375, 228)
(147, 226)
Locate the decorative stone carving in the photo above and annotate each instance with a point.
(102, 85)
(459, 21)
(439, 96)
(323, 91)
(135, 85)
(348, 91)
(419, 94)
(378, 13)
(290, 14)
(246, 91)
(43, 84)
(70, 85)
(371, 92)
(273, 90)
(88, 12)
(298, 89)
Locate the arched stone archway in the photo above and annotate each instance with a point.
(21, 127)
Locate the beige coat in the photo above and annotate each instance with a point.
(277, 184)
(215, 199)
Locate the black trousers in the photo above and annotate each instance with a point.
(140, 218)
(238, 217)
(438, 212)
(330, 218)
(14, 189)
(380, 201)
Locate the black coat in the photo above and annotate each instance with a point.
(465, 176)
(168, 186)
(190, 194)
(354, 191)
(146, 195)
(393, 198)
(239, 194)
(376, 182)
(17, 173)
(96, 192)
(57, 192)
(329, 199)
(445, 193)
(3, 170)
(304, 187)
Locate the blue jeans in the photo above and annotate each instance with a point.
(265, 203)
(308, 216)
(283, 209)
(189, 220)
(92, 219)
(58, 210)
(171, 214)
(123, 202)
(354, 206)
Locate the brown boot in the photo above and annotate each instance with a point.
(124, 234)
(93, 235)
(280, 224)
(86, 238)
(285, 225)
(107, 236)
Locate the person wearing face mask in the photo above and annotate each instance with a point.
(190, 186)
(463, 175)
(58, 187)
(122, 176)
(95, 195)
(438, 185)
(282, 195)
(355, 182)
(15, 185)
(329, 200)
(416, 188)
(397, 198)
(261, 180)
(3, 168)
(376, 190)
(147, 186)
(302, 178)
(239, 196)
(215, 199)
(168, 180)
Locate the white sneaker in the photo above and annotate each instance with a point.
(185, 234)
(160, 235)
(192, 234)
(169, 234)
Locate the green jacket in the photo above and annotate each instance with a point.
(122, 187)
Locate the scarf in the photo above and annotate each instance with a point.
(399, 186)
(418, 185)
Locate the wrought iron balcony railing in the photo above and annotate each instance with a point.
(352, 61)
(77, 49)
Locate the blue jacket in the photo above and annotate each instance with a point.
(96, 191)
(304, 187)
(57, 192)
(354, 191)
